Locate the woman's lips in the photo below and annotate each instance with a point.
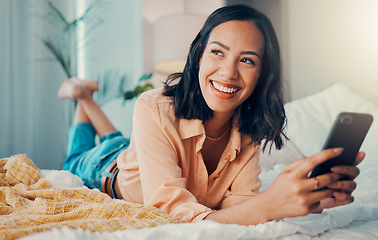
(224, 91)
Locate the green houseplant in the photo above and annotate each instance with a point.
(63, 45)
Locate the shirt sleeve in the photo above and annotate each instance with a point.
(161, 176)
(247, 183)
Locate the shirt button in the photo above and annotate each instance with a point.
(200, 199)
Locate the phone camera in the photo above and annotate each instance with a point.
(347, 119)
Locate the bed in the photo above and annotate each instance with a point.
(309, 120)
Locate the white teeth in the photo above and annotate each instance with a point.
(223, 89)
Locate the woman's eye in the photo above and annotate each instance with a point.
(217, 52)
(249, 61)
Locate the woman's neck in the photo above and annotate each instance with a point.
(218, 125)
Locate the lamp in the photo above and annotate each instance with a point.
(173, 35)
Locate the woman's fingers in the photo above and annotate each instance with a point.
(342, 198)
(319, 195)
(351, 171)
(339, 199)
(290, 167)
(307, 166)
(321, 181)
(343, 186)
(360, 156)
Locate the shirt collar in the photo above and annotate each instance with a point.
(194, 127)
(190, 128)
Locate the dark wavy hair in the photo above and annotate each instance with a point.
(262, 115)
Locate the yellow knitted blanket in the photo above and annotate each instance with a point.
(28, 204)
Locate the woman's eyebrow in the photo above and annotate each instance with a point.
(251, 53)
(228, 48)
(221, 44)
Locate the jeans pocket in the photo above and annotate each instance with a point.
(113, 151)
(98, 156)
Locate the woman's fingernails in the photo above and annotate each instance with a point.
(334, 169)
(338, 150)
(337, 168)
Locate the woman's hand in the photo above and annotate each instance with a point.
(292, 193)
(342, 190)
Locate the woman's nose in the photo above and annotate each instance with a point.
(228, 70)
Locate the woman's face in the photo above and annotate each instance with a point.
(230, 65)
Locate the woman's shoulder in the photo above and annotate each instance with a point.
(154, 102)
(155, 96)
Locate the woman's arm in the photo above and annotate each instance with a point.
(156, 146)
(291, 194)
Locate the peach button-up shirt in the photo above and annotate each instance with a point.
(163, 166)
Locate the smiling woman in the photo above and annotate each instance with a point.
(195, 145)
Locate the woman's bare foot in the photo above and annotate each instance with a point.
(75, 88)
(70, 90)
(91, 85)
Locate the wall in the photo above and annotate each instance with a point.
(331, 41)
(154, 9)
(114, 44)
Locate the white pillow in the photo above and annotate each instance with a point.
(287, 154)
(367, 87)
(310, 119)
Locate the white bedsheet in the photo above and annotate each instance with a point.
(358, 220)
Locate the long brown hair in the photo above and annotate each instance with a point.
(262, 115)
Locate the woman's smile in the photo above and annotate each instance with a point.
(224, 91)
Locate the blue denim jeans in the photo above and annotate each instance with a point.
(88, 160)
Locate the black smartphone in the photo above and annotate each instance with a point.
(348, 131)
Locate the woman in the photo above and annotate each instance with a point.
(194, 150)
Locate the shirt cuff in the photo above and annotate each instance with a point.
(202, 215)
